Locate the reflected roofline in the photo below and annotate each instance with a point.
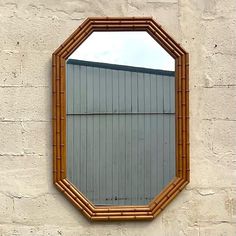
(121, 67)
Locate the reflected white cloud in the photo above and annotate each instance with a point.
(133, 48)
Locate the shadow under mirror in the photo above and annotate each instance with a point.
(120, 118)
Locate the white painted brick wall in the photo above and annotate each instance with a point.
(30, 31)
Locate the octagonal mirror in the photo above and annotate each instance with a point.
(120, 92)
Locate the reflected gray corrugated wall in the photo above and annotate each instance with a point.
(120, 133)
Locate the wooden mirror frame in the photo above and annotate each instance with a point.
(59, 57)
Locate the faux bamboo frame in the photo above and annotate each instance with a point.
(59, 58)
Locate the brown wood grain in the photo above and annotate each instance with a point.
(156, 206)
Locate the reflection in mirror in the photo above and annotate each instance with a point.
(120, 91)
(125, 48)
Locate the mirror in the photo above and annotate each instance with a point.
(120, 118)
(120, 92)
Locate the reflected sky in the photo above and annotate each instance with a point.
(133, 48)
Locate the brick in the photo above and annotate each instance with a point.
(11, 138)
(6, 209)
(10, 68)
(214, 103)
(25, 103)
(36, 138)
(26, 175)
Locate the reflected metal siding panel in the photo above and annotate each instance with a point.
(120, 133)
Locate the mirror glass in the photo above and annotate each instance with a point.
(120, 118)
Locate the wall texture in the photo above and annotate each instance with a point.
(30, 31)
